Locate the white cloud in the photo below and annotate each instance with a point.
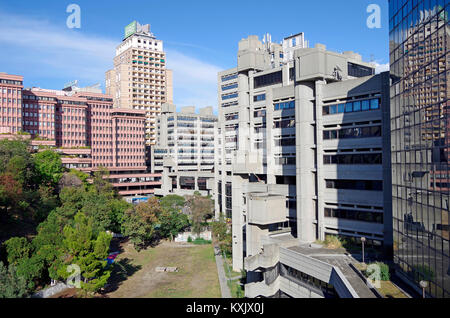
(195, 81)
(58, 53)
(55, 52)
(380, 68)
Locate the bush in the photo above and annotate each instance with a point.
(189, 239)
(334, 242)
(383, 268)
(201, 241)
(226, 245)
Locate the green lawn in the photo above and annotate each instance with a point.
(197, 276)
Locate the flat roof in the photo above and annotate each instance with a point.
(292, 36)
(341, 259)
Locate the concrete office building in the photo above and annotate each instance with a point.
(139, 79)
(419, 56)
(303, 152)
(184, 153)
(84, 127)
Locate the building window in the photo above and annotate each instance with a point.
(229, 77)
(259, 113)
(356, 215)
(349, 133)
(284, 105)
(230, 96)
(367, 185)
(357, 70)
(228, 87)
(357, 159)
(286, 123)
(268, 79)
(352, 107)
(258, 98)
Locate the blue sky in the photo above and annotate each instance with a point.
(200, 37)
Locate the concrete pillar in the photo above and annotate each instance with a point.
(319, 148)
(166, 181)
(238, 223)
(306, 185)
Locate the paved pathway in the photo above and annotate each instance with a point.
(222, 276)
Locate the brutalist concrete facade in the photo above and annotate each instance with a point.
(303, 147)
(184, 153)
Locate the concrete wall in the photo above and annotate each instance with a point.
(256, 158)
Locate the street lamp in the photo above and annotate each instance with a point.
(424, 285)
(363, 240)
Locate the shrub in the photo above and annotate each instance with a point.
(334, 242)
(201, 241)
(383, 270)
(189, 239)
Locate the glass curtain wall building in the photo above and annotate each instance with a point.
(419, 41)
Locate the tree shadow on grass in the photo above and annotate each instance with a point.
(122, 270)
(116, 245)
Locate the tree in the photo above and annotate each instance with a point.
(80, 175)
(172, 223)
(201, 208)
(48, 166)
(24, 192)
(96, 204)
(101, 182)
(106, 210)
(139, 222)
(72, 201)
(13, 148)
(48, 244)
(222, 234)
(149, 210)
(12, 285)
(172, 203)
(27, 264)
(32, 269)
(219, 229)
(69, 180)
(21, 168)
(97, 200)
(86, 250)
(47, 202)
(17, 248)
(10, 191)
(117, 208)
(226, 245)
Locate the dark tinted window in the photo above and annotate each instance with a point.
(359, 70)
(268, 79)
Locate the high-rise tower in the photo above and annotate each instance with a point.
(419, 40)
(139, 79)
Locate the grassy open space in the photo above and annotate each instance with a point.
(134, 275)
